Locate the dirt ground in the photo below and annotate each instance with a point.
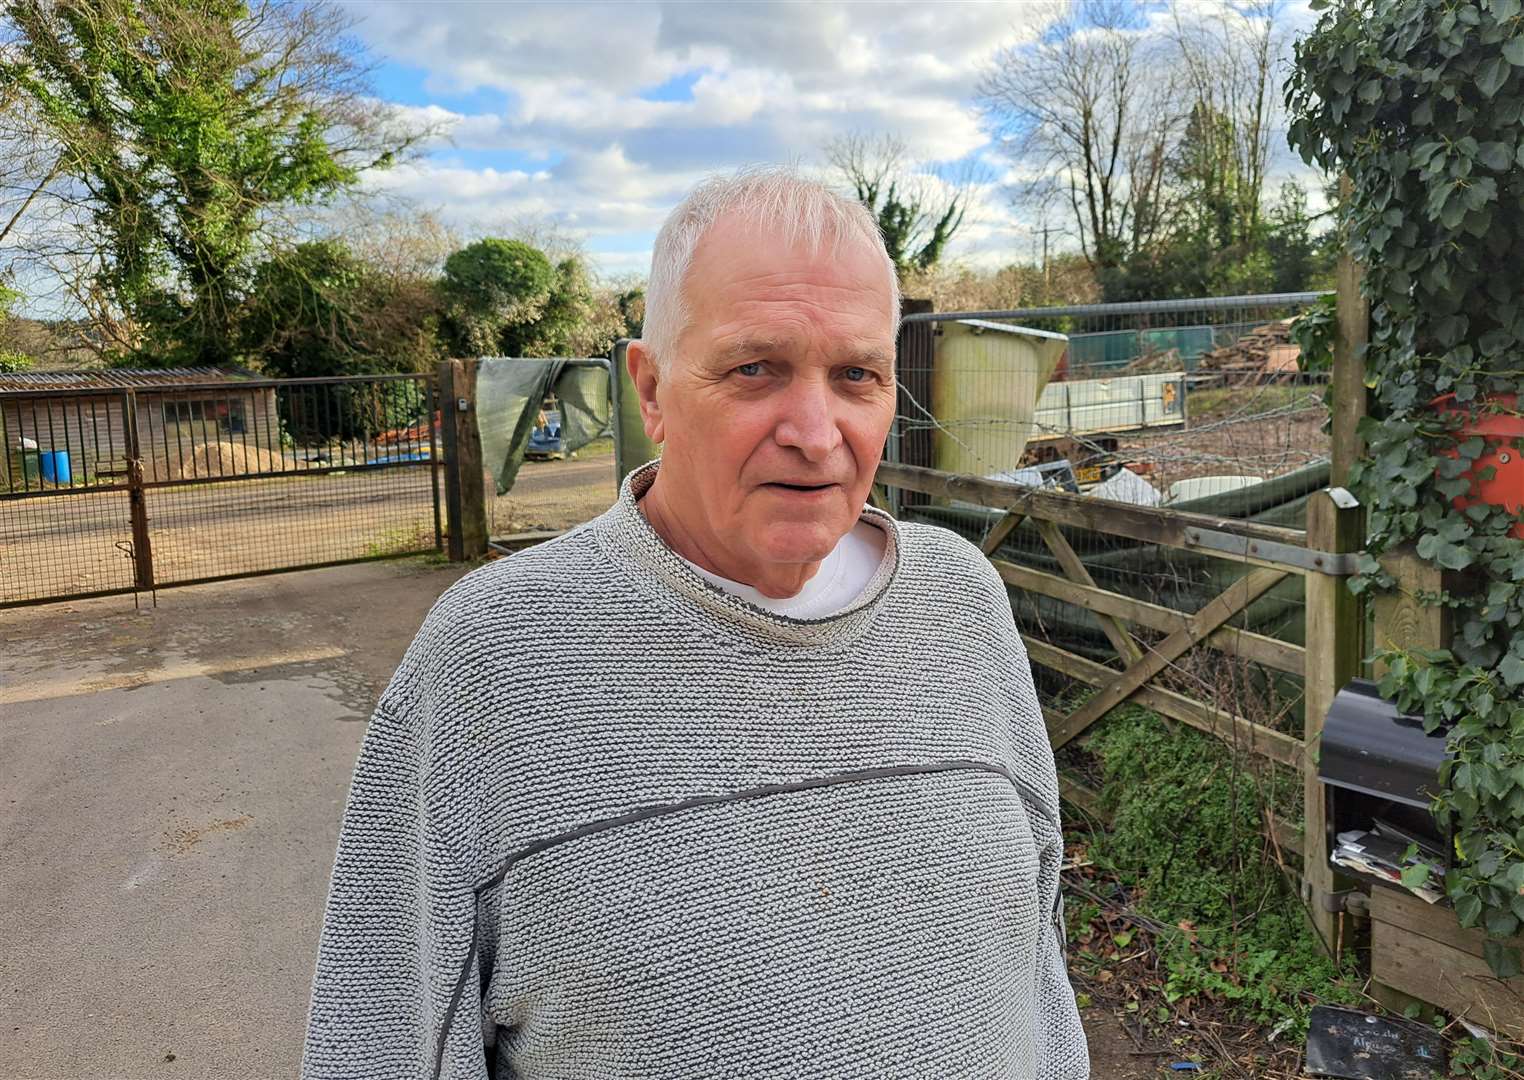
(61, 545)
(173, 782)
(1263, 431)
(553, 495)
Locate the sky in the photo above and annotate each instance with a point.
(597, 117)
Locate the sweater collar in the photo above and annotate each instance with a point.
(626, 535)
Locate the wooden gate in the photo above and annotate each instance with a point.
(1323, 556)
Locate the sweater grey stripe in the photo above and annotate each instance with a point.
(760, 846)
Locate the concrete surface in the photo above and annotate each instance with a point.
(171, 785)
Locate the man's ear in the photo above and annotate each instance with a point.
(644, 374)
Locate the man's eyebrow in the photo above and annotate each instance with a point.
(870, 356)
(749, 347)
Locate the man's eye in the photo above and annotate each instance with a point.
(753, 368)
(856, 374)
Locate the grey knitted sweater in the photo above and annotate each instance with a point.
(609, 822)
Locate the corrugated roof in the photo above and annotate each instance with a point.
(119, 378)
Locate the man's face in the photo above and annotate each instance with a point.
(774, 411)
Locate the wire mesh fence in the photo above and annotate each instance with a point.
(1197, 406)
(1166, 421)
(109, 487)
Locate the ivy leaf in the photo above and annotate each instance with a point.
(1502, 959)
(1415, 876)
(1449, 556)
(1491, 76)
(1495, 155)
(1513, 48)
(1512, 670)
(1501, 923)
(1468, 909)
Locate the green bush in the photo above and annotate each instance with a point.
(491, 287)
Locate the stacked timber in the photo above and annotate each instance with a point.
(1162, 361)
(1265, 350)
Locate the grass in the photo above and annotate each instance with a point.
(1218, 402)
(1221, 402)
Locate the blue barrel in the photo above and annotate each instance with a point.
(55, 467)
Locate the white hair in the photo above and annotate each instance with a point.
(777, 199)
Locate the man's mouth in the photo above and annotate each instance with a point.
(799, 487)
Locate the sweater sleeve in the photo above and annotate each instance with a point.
(393, 991)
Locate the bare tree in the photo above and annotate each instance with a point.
(1086, 112)
(917, 220)
(1226, 56)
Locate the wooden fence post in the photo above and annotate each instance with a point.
(1403, 621)
(465, 492)
(1335, 632)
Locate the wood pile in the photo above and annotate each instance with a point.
(1265, 350)
(1152, 363)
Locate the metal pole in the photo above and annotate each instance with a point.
(142, 550)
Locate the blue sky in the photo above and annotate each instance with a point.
(596, 117)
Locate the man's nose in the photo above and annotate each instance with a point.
(808, 422)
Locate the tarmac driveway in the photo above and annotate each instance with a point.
(171, 785)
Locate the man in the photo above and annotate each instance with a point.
(774, 798)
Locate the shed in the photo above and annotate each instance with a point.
(82, 414)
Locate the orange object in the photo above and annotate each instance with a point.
(1503, 429)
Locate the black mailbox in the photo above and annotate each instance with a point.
(1379, 769)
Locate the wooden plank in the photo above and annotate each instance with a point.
(1287, 836)
(1436, 921)
(1280, 655)
(519, 541)
(1232, 600)
(1149, 525)
(1083, 796)
(1003, 528)
(1348, 390)
(1446, 976)
(1231, 729)
(1335, 627)
(1115, 632)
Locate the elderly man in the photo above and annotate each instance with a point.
(773, 798)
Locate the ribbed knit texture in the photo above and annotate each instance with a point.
(619, 823)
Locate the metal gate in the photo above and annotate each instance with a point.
(140, 482)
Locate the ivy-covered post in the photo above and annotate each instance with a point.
(1421, 104)
(1353, 320)
(1335, 524)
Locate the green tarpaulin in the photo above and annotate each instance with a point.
(509, 393)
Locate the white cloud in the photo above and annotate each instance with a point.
(769, 82)
(766, 82)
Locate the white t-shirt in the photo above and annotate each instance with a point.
(842, 576)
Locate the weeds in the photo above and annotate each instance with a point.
(1187, 848)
